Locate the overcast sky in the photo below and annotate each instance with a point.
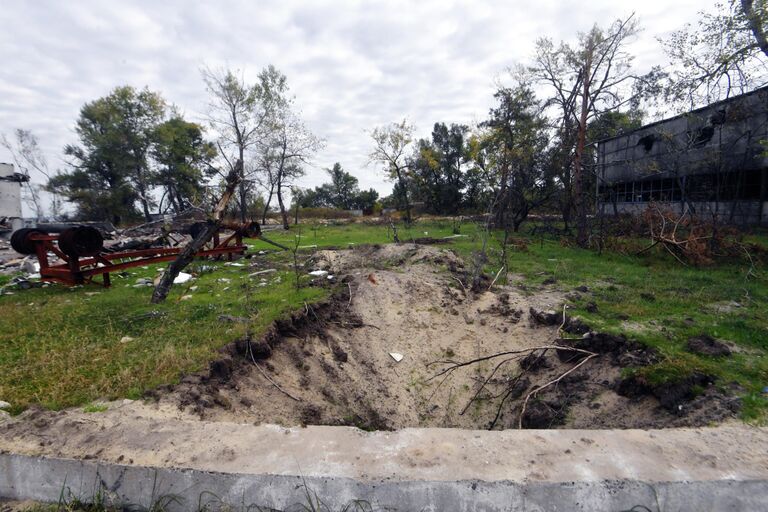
(351, 65)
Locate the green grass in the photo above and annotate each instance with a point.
(61, 347)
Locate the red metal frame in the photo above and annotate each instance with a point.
(76, 270)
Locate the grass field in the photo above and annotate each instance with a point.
(62, 347)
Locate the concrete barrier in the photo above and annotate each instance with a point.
(419, 470)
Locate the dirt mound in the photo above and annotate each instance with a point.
(385, 256)
(337, 362)
(403, 343)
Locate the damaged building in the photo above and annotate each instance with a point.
(711, 162)
(10, 199)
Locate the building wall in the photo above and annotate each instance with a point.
(711, 157)
(743, 212)
(10, 193)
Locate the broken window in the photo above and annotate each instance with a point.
(700, 137)
(647, 141)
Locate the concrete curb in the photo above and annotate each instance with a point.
(44, 479)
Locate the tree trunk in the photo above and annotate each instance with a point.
(582, 234)
(144, 204)
(243, 206)
(266, 205)
(755, 25)
(187, 254)
(283, 213)
(404, 192)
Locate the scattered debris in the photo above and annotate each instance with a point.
(4, 405)
(261, 272)
(126, 339)
(319, 273)
(182, 278)
(396, 356)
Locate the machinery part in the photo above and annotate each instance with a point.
(81, 241)
(196, 228)
(250, 230)
(20, 240)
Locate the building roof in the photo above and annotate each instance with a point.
(684, 114)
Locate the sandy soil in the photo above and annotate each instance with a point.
(331, 364)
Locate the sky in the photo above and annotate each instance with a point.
(351, 65)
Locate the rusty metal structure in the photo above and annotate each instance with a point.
(81, 249)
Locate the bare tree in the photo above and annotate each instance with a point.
(725, 52)
(391, 143)
(282, 154)
(590, 78)
(28, 158)
(240, 113)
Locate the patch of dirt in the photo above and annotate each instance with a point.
(331, 363)
(708, 346)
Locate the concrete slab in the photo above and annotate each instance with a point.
(723, 468)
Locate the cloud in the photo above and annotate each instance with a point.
(352, 65)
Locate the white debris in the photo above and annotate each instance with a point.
(30, 266)
(34, 276)
(319, 273)
(126, 339)
(262, 252)
(234, 264)
(144, 281)
(182, 278)
(4, 405)
(260, 272)
(192, 288)
(223, 280)
(331, 277)
(396, 356)
(308, 247)
(186, 297)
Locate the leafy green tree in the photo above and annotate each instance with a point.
(110, 168)
(437, 167)
(517, 141)
(183, 158)
(342, 193)
(343, 187)
(365, 199)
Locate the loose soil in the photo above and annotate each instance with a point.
(331, 363)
